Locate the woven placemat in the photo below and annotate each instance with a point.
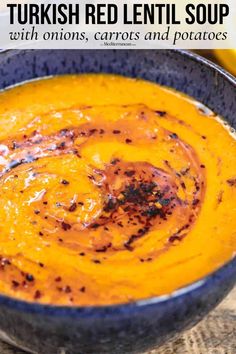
(216, 334)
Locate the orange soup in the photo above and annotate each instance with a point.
(112, 190)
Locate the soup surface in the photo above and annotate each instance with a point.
(112, 190)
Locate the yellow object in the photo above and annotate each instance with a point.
(227, 58)
(112, 190)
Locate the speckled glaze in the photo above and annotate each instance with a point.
(135, 327)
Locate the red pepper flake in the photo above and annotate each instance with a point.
(29, 277)
(41, 264)
(115, 161)
(82, 254)
(128, 247)
(96, 261)
(37, 212)
(195, 202)
(40, 233)
(128, 141)
(73, 207)
(15, 283)
(37, 295)
(129, 173)
(202, 166)
(65, 182)
(76, 152)
(220, 197)
(161, 113)
(104, 248)
(91, 177)
(231, 182)
(142, 115)
(95, 225)
(61, 145)
(184, 171)
(115, 131)
(149, 259)
(92, 131)
(173, 136)
(57, 279)
(66, 289)
(65, 226)
(82, 290)
(174, 238)
(4, 262)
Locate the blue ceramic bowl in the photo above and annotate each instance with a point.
(142, 325)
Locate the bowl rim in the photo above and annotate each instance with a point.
(120, 308)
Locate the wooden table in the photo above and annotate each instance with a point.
(216, 334)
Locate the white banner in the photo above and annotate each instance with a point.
(95, 24)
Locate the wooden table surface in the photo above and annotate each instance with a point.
(216, 334)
